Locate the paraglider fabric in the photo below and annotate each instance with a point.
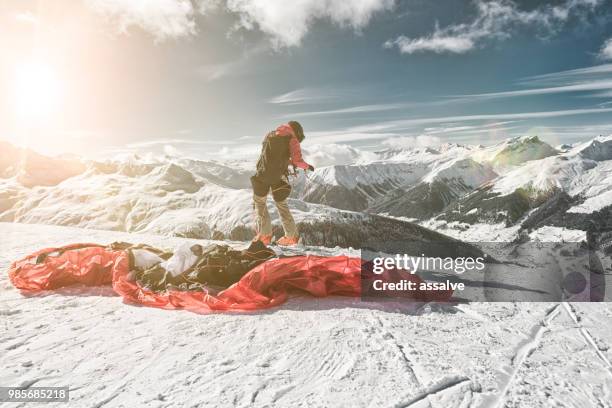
(268, 284)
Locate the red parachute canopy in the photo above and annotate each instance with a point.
(266, 285)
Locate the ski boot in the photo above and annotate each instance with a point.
(265, 239)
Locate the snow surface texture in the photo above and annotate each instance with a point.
(309, 352)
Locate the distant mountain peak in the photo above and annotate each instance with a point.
(523, 149)
(598, 149)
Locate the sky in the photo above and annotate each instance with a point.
(209, 78)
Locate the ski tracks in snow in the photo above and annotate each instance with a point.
(457, 389)
(587, 335)
(523, 352)
(550, 331)
(130, 376)
(447, 384)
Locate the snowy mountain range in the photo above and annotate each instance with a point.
(510, 183)
(520, 184)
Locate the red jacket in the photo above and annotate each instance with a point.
(294, 147)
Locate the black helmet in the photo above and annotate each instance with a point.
(298, 130)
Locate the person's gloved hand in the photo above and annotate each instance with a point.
(310, 167)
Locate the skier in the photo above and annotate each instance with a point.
(280, 148)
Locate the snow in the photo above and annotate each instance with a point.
(350, 176)
(469, 172)
(593, 204)
(598, 149)
(309, 352)
(162, 198)
(585, 171)
(557, 234)
(400, 168)
(330, 154)
(478, 232)
(542, 176)
(509, 153)
(198, 198)
(32, 169)
(596, 187)
(519, 150)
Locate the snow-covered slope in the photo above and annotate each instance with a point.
(445, 183)
(583, 174)
(396, 173)
(521, 150)
(30, 169)
(563, 171)
(542, 176)
(309, 352)
(422, 182)
(463, 170)
(594, 187)
(598, 149)
(356, 186)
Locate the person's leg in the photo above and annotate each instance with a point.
(286, 219)
(280, 192)
(263, 224)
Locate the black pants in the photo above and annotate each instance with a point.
(280, 192)
(280, 189)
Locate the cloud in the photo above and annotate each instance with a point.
(164, 19)
(288, 22)
(396, 125)
(394, 130)
(353, 109)
(173, 142)
(206, 6)
(437, 43)
(495, 20)
(595, 80)
(487, 127)
(172, 151)
(406, 142)
(27, 18)
(293, 98)
(604, 128)
(350, 135)
(302, 96)
(570, 75)
(330, 154)
(213, 72)
(244, 152)
(581, 87)
(285, 23)
(606, 50)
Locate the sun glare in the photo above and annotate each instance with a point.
(37, 92)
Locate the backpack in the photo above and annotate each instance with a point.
(274, 159)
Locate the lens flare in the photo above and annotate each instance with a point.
(37, 92)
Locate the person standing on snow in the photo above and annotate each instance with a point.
(280, 148)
